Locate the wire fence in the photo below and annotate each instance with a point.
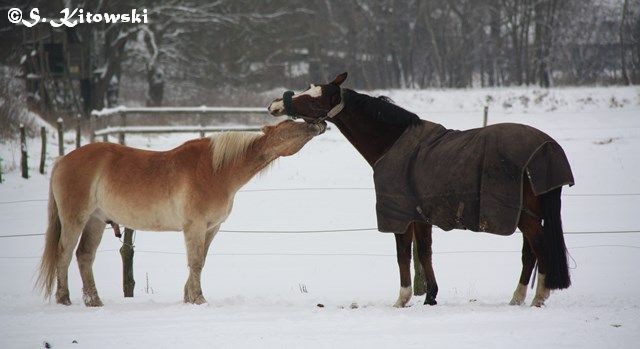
(336, 254)
(346, 230)
(338, 189)
(343, 230)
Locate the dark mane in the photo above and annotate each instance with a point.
(380, 108)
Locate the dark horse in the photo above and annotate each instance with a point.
(384, 134)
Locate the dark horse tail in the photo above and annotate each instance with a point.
(557, 268)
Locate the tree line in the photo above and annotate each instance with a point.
(259, 45)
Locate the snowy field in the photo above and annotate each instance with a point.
(263, 288)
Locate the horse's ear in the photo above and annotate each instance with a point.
(339, 79)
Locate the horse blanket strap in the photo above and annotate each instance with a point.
(465, 179)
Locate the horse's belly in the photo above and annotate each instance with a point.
(153, 217)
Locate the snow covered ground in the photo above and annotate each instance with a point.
(263, 288)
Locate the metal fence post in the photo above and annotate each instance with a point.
(43, 152)
(23, 150)
(60, 137)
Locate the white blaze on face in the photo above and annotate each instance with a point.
(313, 91)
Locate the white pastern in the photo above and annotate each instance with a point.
(542, 293)
(519, 295)
(403, 297)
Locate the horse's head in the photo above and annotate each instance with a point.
(288, 137)
(317, 103)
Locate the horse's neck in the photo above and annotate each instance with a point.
(370, 137)
(253, 162)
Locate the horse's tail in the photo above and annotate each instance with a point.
(557, 268)
(49, 261)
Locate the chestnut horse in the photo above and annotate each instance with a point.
(189, 188)
(372, 132)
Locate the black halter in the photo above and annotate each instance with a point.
(288, 104)
(291, 111)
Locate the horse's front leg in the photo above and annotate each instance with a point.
(403, 251)
(422, 232)
(197, 241)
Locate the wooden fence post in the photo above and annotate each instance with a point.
(60, 137)
(123, 123)
(418, 278)
(78, 130)
(0, 170)
(43, 152)
(486, 116)
(23, 150)
(126, 252)
(201, 124)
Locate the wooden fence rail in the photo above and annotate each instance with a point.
(201, 112)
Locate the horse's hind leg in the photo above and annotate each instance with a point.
(422, 232)
(531, 227)
(534, 234)
(70, 232)
(85, 254)
(528, 262)
(403, 251)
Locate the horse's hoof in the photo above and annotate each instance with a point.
(64, 300)
(404, 297)
(516, 301)
(537, 302)
(92, 301)
(430, 301)
(398, 304)
(195, 300)
(200, 300)
(97, 303)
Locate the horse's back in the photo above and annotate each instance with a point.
(465, 179)
(134, 187)
(78, 170)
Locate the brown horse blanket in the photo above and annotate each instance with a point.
(465, 179)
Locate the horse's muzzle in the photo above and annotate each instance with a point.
(276, 107)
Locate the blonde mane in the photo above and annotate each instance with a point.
(229, 147)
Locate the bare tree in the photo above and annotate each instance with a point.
(623, 61)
